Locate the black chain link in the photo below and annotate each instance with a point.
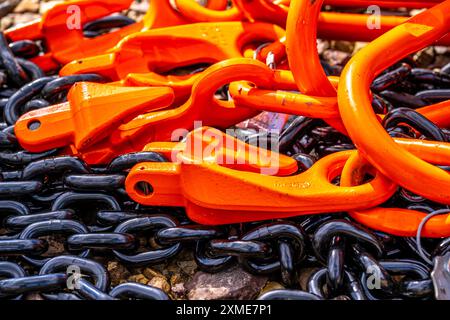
(43, 197)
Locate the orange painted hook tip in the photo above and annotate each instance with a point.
(92, 112)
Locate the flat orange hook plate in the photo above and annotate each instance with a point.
(216, 194)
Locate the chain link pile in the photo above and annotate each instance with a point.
(47, 199)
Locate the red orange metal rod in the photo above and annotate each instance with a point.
(372, 140)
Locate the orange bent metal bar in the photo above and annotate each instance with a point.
(304, 62)
(408, 162)
(148, 58)
(160, 125)
(209, 144)
(65, 43)
(363, 126)
(93, 111)
(151, 126)
(399, 221)
(215, 194)
(248, 95)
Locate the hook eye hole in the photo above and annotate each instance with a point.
(33, 125)
(362, 175)
(366, 175)
(144, 189)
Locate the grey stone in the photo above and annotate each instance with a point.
(7, 7)
(234, 283)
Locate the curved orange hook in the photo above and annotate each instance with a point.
(372, 140)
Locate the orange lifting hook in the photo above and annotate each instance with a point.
(66, 44)
(93, 111)
(213, 199)
(158, 125)
(230, 152)
(143, 58)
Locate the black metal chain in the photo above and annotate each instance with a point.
(88, 211)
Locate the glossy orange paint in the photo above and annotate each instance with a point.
(196, 12)
(93, 111)
(161, 125)
(65, 42)
(363, 126)
(215, 194)
(248, 95)
(303, 58)
(212, 145)
(331, 25)
(150, 58)
(394, 4)
(301, 38)
(399, 221)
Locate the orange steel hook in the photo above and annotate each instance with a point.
(65, 42)
(226, 150)
(161, 125)
(93, 111)
(143, 58)
(146, 58)
(213, 199)
(372, 140)
(201, 107)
